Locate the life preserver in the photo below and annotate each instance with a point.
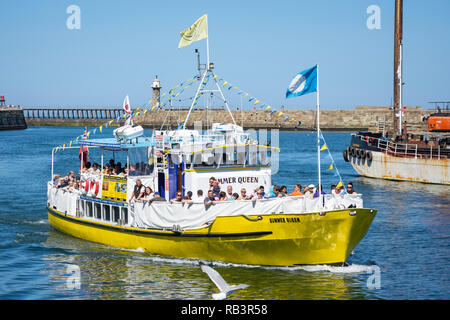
(86, 186)
(369, 155)
(345, 155)
(96, 188)
(363, 153)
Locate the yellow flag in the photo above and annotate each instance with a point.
(324, 147)
(268, 107)
(145, 111)
(101, 127)
(70, 144)
(280, 114)
(196, 32)
(256, 102)
(331, 167)
(225, 83)
(339, 184)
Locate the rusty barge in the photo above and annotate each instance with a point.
(397, 154)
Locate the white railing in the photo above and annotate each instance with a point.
(400, 149)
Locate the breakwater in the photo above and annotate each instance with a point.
(359, 118)
(12, 118)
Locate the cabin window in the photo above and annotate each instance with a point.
(89, 208)
(115, 213)
(125, 215)
(98, 210)
(82, 207)
(107, 212)
(139, 163)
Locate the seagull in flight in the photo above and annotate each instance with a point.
(220, 282)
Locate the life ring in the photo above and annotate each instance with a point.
(96, 188)
(369, 155)
(86, 188)
(363, 153)
(345, 155)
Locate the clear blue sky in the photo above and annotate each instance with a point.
(256, 45)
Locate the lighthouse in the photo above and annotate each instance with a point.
(156, 86)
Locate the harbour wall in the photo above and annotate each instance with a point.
(360, 118)
(12, 118)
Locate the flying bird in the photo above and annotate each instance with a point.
(224, 287)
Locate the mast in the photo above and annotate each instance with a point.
(208, 71)
(398, 36)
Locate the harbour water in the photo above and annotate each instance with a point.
(408, 242)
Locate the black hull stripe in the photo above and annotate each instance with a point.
(153, 233)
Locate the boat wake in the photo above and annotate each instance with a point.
(345, 269)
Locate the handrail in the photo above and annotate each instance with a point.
(399, 149)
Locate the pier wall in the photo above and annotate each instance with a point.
(360, 118)
(12, 118)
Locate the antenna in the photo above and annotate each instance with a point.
(200, 66)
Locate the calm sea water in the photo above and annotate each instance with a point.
(409, 239)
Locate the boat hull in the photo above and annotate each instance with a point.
(277, 239)
(390, 167)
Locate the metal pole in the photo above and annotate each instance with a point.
(193, 101)
(207, 44)
(319, 188)
(397, 43)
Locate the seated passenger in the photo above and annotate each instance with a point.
(283, 191)
(308, 191)
(350, 189)
(229, 192)
(210, 199)
(222, 196)
(258, 196)
(148, 194)
(187, 198)
(333, 189)
(178, 197)
(200, 197)
(235, 196)
(132, 171)
(156, 197)
(263, 192)
(56, 178)
(316, 194)
(243, 195)
(297, 190)
(138, 191)
(211, 181)
(216, 188)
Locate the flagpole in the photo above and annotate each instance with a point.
(207, 44)
(319, 187)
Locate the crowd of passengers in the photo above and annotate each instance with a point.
(215, 194)
(72, 182)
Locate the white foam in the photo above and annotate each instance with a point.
(350, 269)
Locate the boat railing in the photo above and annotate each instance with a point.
(397, 149)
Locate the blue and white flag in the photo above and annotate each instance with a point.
(303, 83)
